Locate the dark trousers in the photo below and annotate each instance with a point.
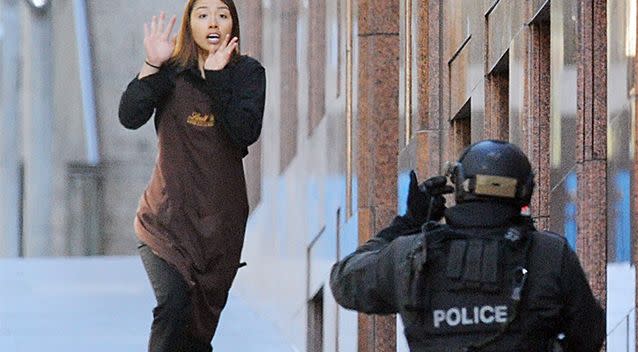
(170, 331)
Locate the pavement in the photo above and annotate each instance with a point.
(102, 304)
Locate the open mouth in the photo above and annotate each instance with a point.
(213, 38)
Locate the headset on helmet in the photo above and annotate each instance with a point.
(492, 169)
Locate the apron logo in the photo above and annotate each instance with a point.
(198, 119)
(469, 316)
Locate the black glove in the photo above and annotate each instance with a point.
(419, 205)
(426, 201)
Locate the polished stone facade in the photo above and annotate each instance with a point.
(427, 79)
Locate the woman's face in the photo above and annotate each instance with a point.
(210, 23)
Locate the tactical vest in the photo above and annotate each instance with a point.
(466, 290)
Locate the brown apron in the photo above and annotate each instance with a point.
(194, 210)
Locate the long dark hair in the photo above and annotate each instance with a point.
(185, 53)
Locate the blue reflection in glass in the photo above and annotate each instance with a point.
(622, 219)
(570, 227)
(402, 191)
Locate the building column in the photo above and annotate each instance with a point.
(591, 148)
(634, 189)
(252, 42)
(9, 147)
(37, 129)
(378, 141)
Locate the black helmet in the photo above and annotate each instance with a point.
(493, 169)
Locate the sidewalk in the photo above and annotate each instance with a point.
(101, 304)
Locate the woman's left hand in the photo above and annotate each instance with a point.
(219, 59)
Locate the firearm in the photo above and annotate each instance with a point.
(448, 169)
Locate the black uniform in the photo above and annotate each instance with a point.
(486, 281)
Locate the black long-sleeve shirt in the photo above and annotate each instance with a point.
(237, 95)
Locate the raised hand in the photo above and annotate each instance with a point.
(425, 200)
(220, 58)
(158, 42)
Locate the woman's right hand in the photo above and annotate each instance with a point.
(158, 42)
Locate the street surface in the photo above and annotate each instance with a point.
(102, 304)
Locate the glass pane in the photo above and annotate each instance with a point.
(564, 59)
(620, 110)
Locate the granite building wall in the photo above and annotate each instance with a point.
(426, 79)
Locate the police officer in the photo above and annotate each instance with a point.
(486, 280)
